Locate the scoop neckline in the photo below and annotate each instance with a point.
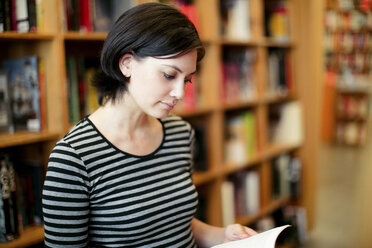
(127, 153)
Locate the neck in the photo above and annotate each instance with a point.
(120, 116)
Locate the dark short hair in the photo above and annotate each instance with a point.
(150, 29)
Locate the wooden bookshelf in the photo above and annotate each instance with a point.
(347, 105)
(53, 44)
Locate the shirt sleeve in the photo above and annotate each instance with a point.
(65, 199)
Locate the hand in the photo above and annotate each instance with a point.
(237, 231)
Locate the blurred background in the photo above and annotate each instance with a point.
(281, 109)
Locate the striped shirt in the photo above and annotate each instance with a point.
(96, 195)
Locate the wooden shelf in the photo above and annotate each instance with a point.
(25, 137)
(266, 210)
(29, 236)
(26, 36)
(85, 36)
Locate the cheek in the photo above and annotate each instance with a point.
(147, 86)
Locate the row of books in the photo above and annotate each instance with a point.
(352, 106)
(279, 73)
(238, 74)
(22, 94)
(346, 42)
(237, 24)
(92, 15)
(20, 201)
(286, 173)
(241, 195)
(21, 15)
(347, 5)
(353, 21)
(82, 97)
(358, 62)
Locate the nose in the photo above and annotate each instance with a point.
(178, 90)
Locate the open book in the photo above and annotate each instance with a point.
(265, 239)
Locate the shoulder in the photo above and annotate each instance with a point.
(173, 121)
(176, 127)
(69, 145)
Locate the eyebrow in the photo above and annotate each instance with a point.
(178, 69)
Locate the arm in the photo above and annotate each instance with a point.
(65, 200)
(207, 235)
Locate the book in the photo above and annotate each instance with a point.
(265, 239)
(91, 102)
(22, 16)
(106, 12)
(73, 89)
(238, 76)
(24, 92)
(247, 192)
(289, 129)
(228, 205)
(189, 10)
(30, 175)
(86, 24)
(32, 15)
(200, 151)
(42, 94)
(2, 17)
(236, 19)
(235, 142)
(6, 124)
(8, 187)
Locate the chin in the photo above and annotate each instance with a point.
(159, 114)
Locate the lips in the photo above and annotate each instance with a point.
(169, 106)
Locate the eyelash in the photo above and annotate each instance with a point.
(170, 77)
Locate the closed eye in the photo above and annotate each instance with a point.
(167, 76)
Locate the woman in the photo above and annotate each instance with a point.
(122, 176)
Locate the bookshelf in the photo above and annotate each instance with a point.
(347, 52)
(54, 44)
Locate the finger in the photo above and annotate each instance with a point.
(250, 231)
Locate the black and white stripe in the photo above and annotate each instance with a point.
(99, 196)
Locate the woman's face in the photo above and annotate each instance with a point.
(157, 84)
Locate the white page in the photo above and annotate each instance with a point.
(265, 239)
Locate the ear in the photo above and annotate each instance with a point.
(125, 64)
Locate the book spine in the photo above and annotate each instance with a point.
(42, 93)
(85, 16)
(13, 14)
(39, 15)
(22, 17)
(73, 89)
(13, 197)
(2, 17)
(8, 15)
(32, 14)
(11, 227)
(228, 206)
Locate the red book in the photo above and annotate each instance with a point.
(86, 24)
(190, 11)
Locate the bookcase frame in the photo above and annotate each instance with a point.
(305, 51)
